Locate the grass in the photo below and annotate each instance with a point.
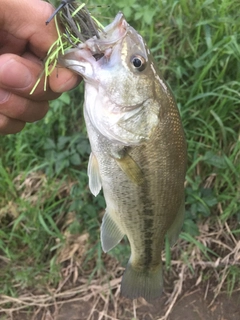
(45, 203)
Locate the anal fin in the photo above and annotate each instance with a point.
(94, 175)
(111, 234)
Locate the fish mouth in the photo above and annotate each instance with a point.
(83, 59)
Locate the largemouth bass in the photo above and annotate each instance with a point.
(138, 150)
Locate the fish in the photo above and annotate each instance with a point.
(138, 150)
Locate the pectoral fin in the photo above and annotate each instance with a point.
(131, 169)
(111, 234)
(94, 175)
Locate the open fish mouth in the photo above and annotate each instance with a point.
(97, 47)
(92, 42)
(78, 23)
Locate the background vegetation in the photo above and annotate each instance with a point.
(45, 203)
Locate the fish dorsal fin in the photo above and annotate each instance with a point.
(111, 234)
(94, 175)
(131, 169)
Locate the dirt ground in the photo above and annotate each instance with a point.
(191, 305)
(194, 306)
(186, 296)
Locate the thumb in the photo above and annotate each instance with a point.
(25, 20)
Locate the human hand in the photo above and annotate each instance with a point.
(24, 41)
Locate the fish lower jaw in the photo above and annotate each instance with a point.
(80, 61)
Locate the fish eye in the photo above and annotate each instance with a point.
(138, 62)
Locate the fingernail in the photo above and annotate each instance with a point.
(3, 95)
(14, 74)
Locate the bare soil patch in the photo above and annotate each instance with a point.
(194, 303)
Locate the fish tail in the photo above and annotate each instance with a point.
(142, 283)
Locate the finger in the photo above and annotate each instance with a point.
(30, 23)
(19, 75)
(8, 125)
(62, 79)
(19, 108)
(11, 44)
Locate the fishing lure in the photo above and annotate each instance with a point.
(76, 21)
(63, 3)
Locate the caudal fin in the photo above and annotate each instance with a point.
(146, 284)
